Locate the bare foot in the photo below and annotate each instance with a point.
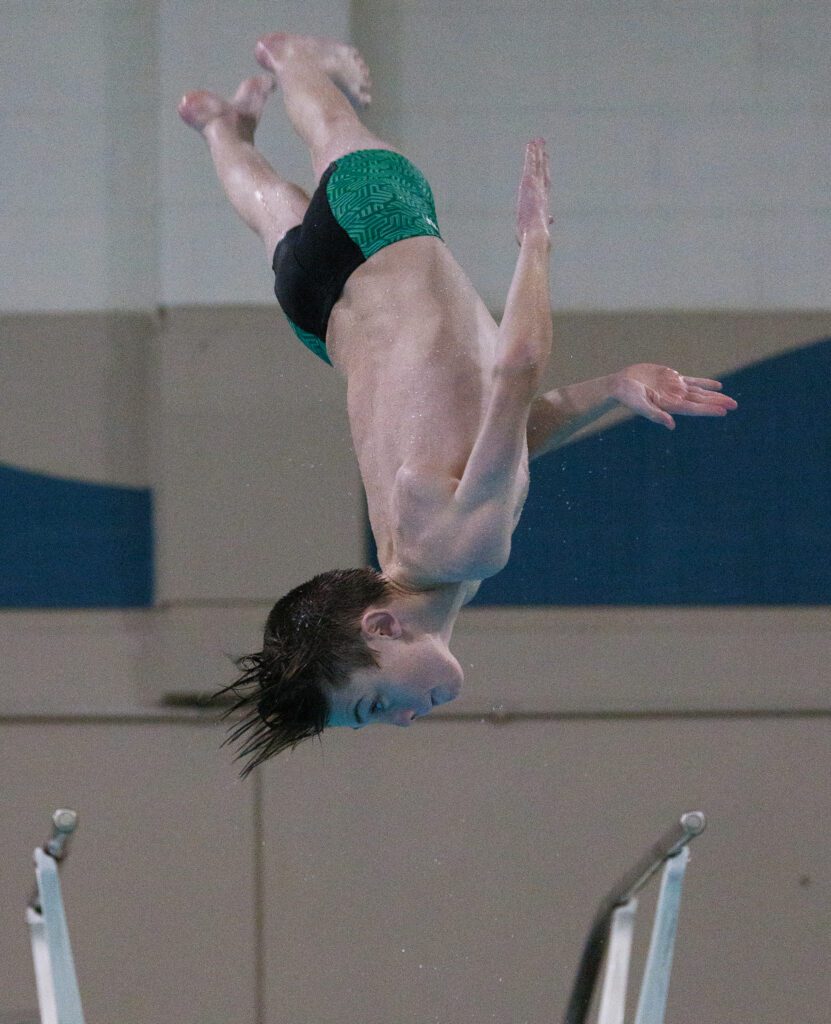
(242, 113)
(342, 63)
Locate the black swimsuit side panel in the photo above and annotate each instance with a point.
(312, 263)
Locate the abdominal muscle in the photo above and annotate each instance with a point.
(416, 345)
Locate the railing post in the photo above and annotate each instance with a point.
(57, 984)
(652, 1001)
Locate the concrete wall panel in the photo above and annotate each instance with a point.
(451, 872)
(158, 887)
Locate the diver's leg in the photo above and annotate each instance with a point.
(267, 203)
(316, 76)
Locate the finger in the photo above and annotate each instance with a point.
(703, 382)
(711, 398)
(535, 157)
(539, 158)
(694, 409)
(691, 407)
(528, 165)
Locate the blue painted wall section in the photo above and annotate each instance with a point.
(71, 544)
(733, 511)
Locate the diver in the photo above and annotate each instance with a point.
(443, 402)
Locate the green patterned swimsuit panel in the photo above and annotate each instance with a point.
(378, 197)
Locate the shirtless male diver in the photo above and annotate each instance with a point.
(442, 401)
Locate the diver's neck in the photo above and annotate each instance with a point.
(432, 610)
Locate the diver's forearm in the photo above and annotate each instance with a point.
(526, 334)
(557, 415)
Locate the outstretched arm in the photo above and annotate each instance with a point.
(648, 389)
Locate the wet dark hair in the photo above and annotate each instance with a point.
(312, 638)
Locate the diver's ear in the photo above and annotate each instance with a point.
(379, 623)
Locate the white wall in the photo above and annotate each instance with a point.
(79, 156)
(690, 144)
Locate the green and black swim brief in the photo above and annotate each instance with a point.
(365, 201)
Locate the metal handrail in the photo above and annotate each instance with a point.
(690, 825)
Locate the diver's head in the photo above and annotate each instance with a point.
(337, 650)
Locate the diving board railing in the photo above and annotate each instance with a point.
(610, 936)
(609, 939)
(59, 999)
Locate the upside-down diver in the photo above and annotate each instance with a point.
(443, 402)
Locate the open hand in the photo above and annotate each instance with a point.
(532, 212)
(656, 391)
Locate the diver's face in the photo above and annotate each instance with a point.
(410, 679)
